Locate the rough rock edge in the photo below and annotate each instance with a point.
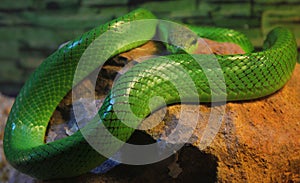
(243, 150)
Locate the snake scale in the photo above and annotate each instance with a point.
(247, 76)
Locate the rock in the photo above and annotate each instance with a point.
(217, 47)
(255, 141)
(258, 141)
(8, 173)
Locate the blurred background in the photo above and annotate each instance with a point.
(31, 30)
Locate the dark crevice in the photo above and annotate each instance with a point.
(52, 6)
(196, 166)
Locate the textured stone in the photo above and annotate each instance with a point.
(254, 144)
(169, 6)
(9, 34)
(183, 15)
(30, 63)
(229, 1)
(9, 72)
(31, 25)
(262, 138)
(235, 23)
(8, 19)
(189, 18)
(233, 10)
(17, 39)
(258, 9)
(18, 4)
(38, 38)
(66, 22)
(258, 141)
(9, 50)
(206, 8)
(255, 35)
(5, 106)
(286, 18)
(61, 4)
(276, 1)
(104, 2)
(112, 12)
(217, 48)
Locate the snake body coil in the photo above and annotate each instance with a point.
(247, 76)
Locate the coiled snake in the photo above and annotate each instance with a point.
(247, 76)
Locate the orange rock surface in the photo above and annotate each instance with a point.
(257, 141)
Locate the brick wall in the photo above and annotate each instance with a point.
(30, 30)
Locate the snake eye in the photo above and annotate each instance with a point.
(194, 41)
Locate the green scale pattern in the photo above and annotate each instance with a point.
(247, 76)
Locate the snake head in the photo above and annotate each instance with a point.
(178, 38)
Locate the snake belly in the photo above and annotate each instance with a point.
(247, 76)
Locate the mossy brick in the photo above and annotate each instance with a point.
(30, 62)
(104, 2)
(67, 35)
(255, 35)
(58, 6)
(38, 38)
(11, 19)
(228, 1)
(29, 37)
(16, 4)
(9, 72)
(206, 8)
(9, 49)
(26, 75)
(104, 13)
(289, 19)
(169, 6)
(10, 89)
(258, 9)
(275, 1)
(187, 14)
(61, 4)
(9, 33)
(237, 22)
(70, 22)
(113, 12)
(233, 9)
(197, 20)
(89, 10)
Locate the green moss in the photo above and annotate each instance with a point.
(170, 6)
(285, 18)
(16, 4)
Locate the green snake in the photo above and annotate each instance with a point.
(247, 76)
